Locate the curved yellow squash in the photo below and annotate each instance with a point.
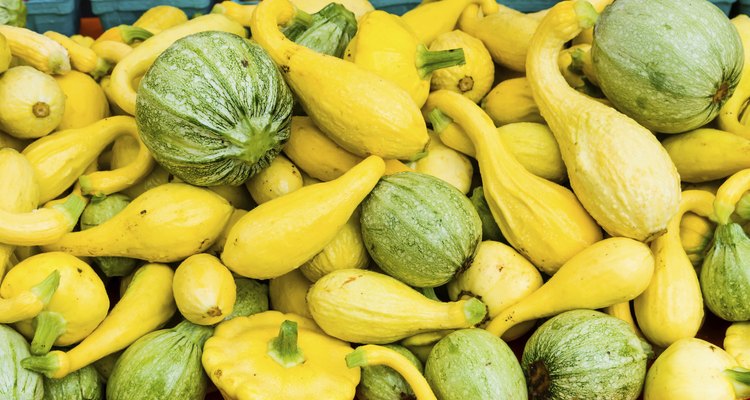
(19, 192)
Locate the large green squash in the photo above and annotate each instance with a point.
(84, 384)
(585, 354)
(213, 109)
(16, 382)
(668, 64)
(419, 229)
(725, 274)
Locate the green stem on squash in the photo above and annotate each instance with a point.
(49, 326)
(47, 364)
(428, 61)
(475, 310)
(439, 120)
(283, 348)
(740, 378)
(586, 13)
(743, 206)
(429, 292)
(45, 289)
(297, 25)
(357, 358)
(131, 33)
(71, 208)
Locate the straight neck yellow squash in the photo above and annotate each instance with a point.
(359, 110)
(617, 168)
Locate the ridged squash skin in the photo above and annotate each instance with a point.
(288, 293)
(383, 119)
(211, 131)
(725, 276)
(668, 64)
(32, 104)
(282, 234)
(346, 250)
(696, 233)
(204, 289)
(737, 343)
(472, 79)
(584, 353)
(419, 229)
(251, 298)
(84, 384)
(474, 364)
(618, 170)
(706, 154)
(447, 164)
(17, 383)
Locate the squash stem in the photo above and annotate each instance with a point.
(429, 292)
(586, 13)
(131, 33)
(46, 288)
(439, 120)
(368, 355)
(47, 364)
(298, 25)
(474, 310)
(72, 208)
(197, 334)
(283, 349)
(49, 326)
(743, 207)
(740, 378)
(429, 61)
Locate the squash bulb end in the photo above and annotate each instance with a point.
(475, 311)
(586, 13)
(40, 109)
(539, 380)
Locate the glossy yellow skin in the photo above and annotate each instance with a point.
(737, 343)
(60, 158)
(145, 306)
(696, 233)
(706, 154)
(622, 311)
(430, 20)
(287, 293)
(31, 103)
(511, 101)
(85, 101)
(37, 50)
(165, 224)
(19, 192)
(474, 78)
(280, 235)
(80, 299)
(204, 289)
(542, 220)
(82, 58)
(447, 164)
(279, 178)
(608, 272)
(111, 51)
(41, 226)
(140, 59)
(362, 306)
(690, 369)
(500, 277)
(730, 115)
(237, 361)
(221, 240)
(617, 168)
(345, 250)
(382, 118)
(125, 150)
(371, 354)
(729, 193)
(671, 307)
(161, 17)
(241, 13)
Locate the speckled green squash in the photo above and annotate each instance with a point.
(213, 109)
(164, 365)
(725, 274)
(584, 354)
(474, 364)
(668, 64)
(252, 298)
(99, 210)
(379, 382)
(419, 229)
(16, 382)
(490, 230)
(84, 384)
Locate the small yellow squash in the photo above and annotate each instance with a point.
(511, 101)
(204, 289)
(706, 154)
(287, 293)
(5, 55)
(277, 179)
(472, 79)
(161, 17)
(345, 250)
(36, 50)
(447, 164)
(737, 342)
(85, 101)
(32, 104)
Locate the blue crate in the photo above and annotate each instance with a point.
(53, 15)
(398, 7)
(724, 5)
(117, 12)
(528, 5)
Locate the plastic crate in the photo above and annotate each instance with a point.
(726, 5)
(117, 12)
(53, 15)
(528, 5)
(398, 7)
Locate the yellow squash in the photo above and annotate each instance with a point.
(608, 272)
(622, 311)
(161, 17)
(500, 277)
(737, 342)
(447, 164)
(221, 240)
(287, 293)
(85, 101)
(431, 19)
(706, 154)
(41, 226)
(31, 103)
(542, 220)
(271, 355)
(204, 289)
(671, 307)
(619, 171)
(472, 79)
(36, 50)
(386, 46)
(371, 354)
(511, 101)
(237, 196)
(362, 306)
(60, 158)
(82, 58)
(277, 179)
(734, 111)
(382, 119)
(280, 235)
(5, 54)
(696, 233)
(729, 194)
(242, 13)
(139, 60)
(111, 51)
(346, 250)
(79, 304)
(535, 147)
(358, 7)
(145, 306)
(165, 224)
(29, 303)
(693, 369)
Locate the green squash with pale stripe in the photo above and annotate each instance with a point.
(585, 354)
(668, 64)
(84, 384)
(16, 382)
(419, 229)
(725, 274)
(214, 109)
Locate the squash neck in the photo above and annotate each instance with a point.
(283, 349)
(266, 19)
(46, 288)
(49, 326)
(196, 334)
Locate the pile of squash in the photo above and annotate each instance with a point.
(315, 200)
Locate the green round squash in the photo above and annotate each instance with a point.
(379, 382)
(585, 354)
(725, 274)
(474, 364)
(252, 298)
(84, 384)
(213, 109)
(17, 382)
(419, 229)
(668, 64)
